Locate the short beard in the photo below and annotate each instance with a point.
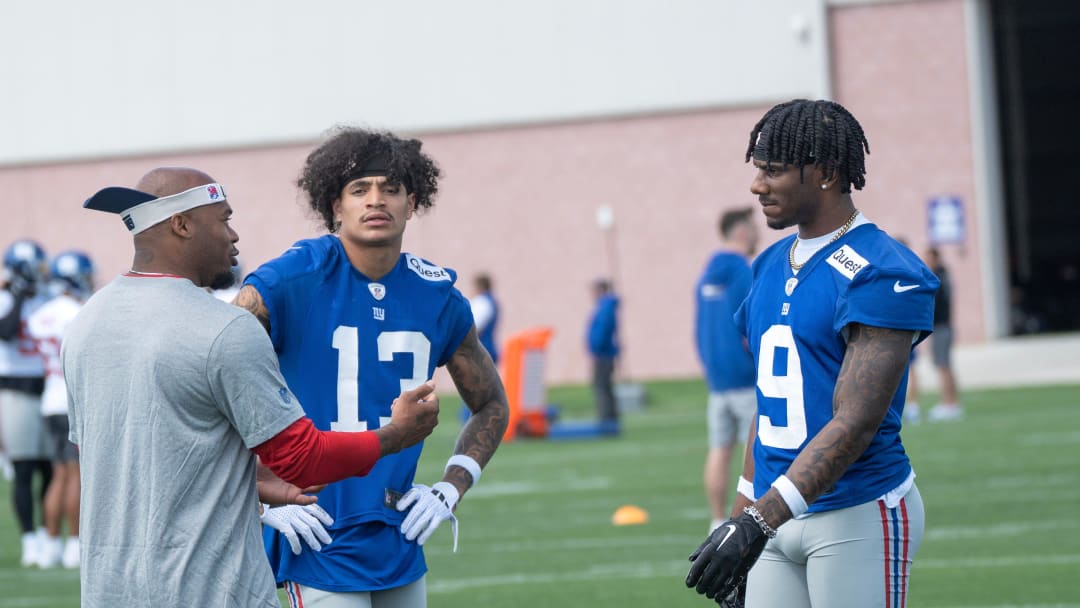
(779, 224)
(223, 281)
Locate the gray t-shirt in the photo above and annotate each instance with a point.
(168, 389)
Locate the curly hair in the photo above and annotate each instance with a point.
(803, 132)
(333, 164)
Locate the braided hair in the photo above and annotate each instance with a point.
(349, 152)
(803, 132)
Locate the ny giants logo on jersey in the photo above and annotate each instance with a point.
(379, 314)
(425, 270)
(847, 261)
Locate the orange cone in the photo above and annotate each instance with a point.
(630, 515)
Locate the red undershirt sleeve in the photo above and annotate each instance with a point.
(305, 456)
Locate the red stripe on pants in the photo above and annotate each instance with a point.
(885, 534)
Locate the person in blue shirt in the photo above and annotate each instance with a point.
(833, 312)
(602, 338)
(355, 320)
(729, 368)
(485, 309)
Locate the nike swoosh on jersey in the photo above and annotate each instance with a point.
(898, 288)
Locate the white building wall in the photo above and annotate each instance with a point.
(130, 77)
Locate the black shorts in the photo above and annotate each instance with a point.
(60, 448)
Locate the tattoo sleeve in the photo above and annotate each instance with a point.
(249, 299)
(481, 389)
(870, 373)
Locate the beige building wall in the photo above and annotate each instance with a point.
(520, 203)
(901, 68)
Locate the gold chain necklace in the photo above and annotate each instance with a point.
(791, 252)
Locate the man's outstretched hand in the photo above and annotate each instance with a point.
(274, 490)
(413, 417)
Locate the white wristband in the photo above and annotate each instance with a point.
(467, 463)
(746, 488)
(791, 495)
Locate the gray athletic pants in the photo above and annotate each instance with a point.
(859, 557)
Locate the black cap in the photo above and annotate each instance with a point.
(115, 199)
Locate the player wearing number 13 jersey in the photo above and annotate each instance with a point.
(831, 317)
(355, 321)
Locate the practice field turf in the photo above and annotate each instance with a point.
(1002, 493)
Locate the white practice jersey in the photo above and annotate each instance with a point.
(46, 328)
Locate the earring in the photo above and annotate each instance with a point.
(824, 186)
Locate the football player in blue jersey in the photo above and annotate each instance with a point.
(485, 309)
(832, 315)
(729, 368)
(354, 321)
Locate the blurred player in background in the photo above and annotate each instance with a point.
(173, 394)
(949, 407)
(729, 368)
(602, 340)
(22, 380)
(354, 320)
(71, 281)
(485, 309)
(831, 318)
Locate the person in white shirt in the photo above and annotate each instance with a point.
(72, 281)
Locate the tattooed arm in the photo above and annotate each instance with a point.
(872, 369)
(249, 299)
(482, 390)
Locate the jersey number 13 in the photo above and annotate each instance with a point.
(346, 341)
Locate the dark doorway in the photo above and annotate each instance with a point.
(1037, 59)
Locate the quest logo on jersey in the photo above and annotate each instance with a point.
(425, 270)
(847, 261)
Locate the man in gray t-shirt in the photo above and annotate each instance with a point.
(180, 425)
(172, 394)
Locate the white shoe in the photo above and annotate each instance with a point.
(945, 413)
(71, 553)
(50, 553)
(30, 546)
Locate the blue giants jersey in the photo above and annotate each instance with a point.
(720, 291)
(795, 327)
(348, 346)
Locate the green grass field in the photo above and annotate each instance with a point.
(1002, 493)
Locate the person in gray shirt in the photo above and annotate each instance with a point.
(175, 398)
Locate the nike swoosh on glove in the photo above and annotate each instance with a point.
(722, 562)
(430, 507)
(296, 522)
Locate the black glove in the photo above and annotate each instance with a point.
(735, 599)
(722, 562)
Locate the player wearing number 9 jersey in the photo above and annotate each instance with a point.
(354, 320)
(796, 327)
(831, 317)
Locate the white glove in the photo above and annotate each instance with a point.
(432, 506)
(295, 521)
